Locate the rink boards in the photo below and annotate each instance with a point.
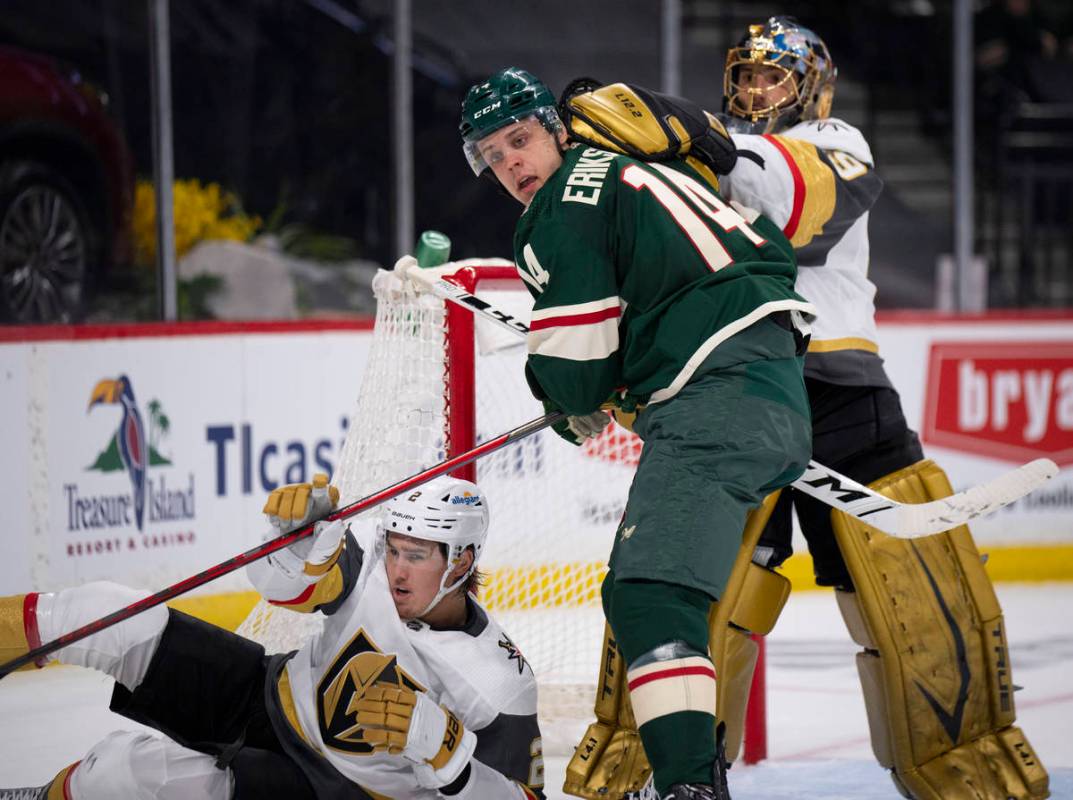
(228, 410)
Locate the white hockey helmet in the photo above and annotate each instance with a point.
(448, 510)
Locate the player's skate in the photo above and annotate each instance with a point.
(716, 790)
(696, 791)
(646, 792)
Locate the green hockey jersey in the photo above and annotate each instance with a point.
(639, 271)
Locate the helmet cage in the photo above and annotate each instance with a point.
(805, 71)
(547, 116)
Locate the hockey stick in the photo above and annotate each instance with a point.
(434, 279)
(911, 520)
(287, 539)
(902, 520)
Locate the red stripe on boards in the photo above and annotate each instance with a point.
(671, 673)
(575, 319)
(799, 187)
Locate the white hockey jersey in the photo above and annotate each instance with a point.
(477, 673)
(816, 180)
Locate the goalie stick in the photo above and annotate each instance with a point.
(901, 520)
(287, 539)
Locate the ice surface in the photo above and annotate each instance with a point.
(818, 743)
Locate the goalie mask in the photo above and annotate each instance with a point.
(511, 95)
(778, 75)
(447, 510)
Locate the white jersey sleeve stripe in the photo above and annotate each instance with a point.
(577, 341)
(542, 317)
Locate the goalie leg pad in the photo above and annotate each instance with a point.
(132, 764)
(935, 668)
(610, 760)
(123, 650)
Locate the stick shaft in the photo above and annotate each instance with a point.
(904, 520)
(287, 539)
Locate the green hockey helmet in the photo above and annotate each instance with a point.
(510, 95)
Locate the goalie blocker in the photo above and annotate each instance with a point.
(939, 698)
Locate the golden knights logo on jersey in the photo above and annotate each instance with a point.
(358, 666)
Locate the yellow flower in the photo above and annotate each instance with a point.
(199, 213)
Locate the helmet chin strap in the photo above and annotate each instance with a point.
(446, 590)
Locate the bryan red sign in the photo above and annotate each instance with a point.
(1012, 401)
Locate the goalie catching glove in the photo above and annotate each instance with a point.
(294, 506)
(402, 722)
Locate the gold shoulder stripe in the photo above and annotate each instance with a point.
(847, 343)
(817, 185)
(286, 704)
(60, 788)
(320, 593)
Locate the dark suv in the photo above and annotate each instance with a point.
(66, 189)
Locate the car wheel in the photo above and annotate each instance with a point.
(46, 245)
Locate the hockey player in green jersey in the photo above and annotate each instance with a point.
(650, 289)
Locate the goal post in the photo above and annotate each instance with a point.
(439, 381)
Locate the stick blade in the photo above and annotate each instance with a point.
(924, 519)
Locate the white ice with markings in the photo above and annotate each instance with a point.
(818, 746)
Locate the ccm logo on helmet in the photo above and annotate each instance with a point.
(492, 107)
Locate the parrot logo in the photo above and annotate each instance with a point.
(129, 448)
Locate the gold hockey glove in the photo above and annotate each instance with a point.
(399, 721)
(292, 506)
(289, 508)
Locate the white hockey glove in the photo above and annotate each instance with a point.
(577, 429)
(289, 508)
(402, 722)
(589, 426)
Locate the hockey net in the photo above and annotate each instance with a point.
(427, 393)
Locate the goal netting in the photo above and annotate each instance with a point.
(437, 382)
